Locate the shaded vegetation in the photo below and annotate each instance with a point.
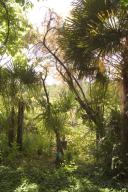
(70, 137)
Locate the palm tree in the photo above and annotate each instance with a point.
(96, 37)
(27, 79)
(54, 116)
(8, 93)
(17, 80)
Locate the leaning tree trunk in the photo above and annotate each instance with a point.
(11, 130)
(20, 124)
(124, 133)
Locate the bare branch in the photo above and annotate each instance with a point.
(45, 89)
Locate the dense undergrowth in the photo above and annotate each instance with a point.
(72, 136)
(34, 170)
(33, 177)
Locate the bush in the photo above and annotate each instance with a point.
(36, 143)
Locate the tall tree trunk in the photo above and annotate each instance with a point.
(11, 131)
(21, 108)
(124, 133)
(59, 149)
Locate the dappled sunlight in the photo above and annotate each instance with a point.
(63, 96)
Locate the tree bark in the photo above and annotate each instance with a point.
(11, 131)
(124, 132)
(20, 124)
(59, 149)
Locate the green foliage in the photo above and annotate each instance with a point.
(124, 3)
(27, 187)
(8, 155)
(89, 33)
(95, 31)
(81, 144)
(56, 117)
(12, 153)
(66, 101)
(90, 40)
(37, 144)
(22, 71)
(9, 179)
(65, 179)
(12, 18)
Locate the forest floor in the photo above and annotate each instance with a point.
(37, 175)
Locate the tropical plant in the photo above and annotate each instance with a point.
(95, 41)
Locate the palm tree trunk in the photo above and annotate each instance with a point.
(20, 124)
(124, 133)
(11, 131)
